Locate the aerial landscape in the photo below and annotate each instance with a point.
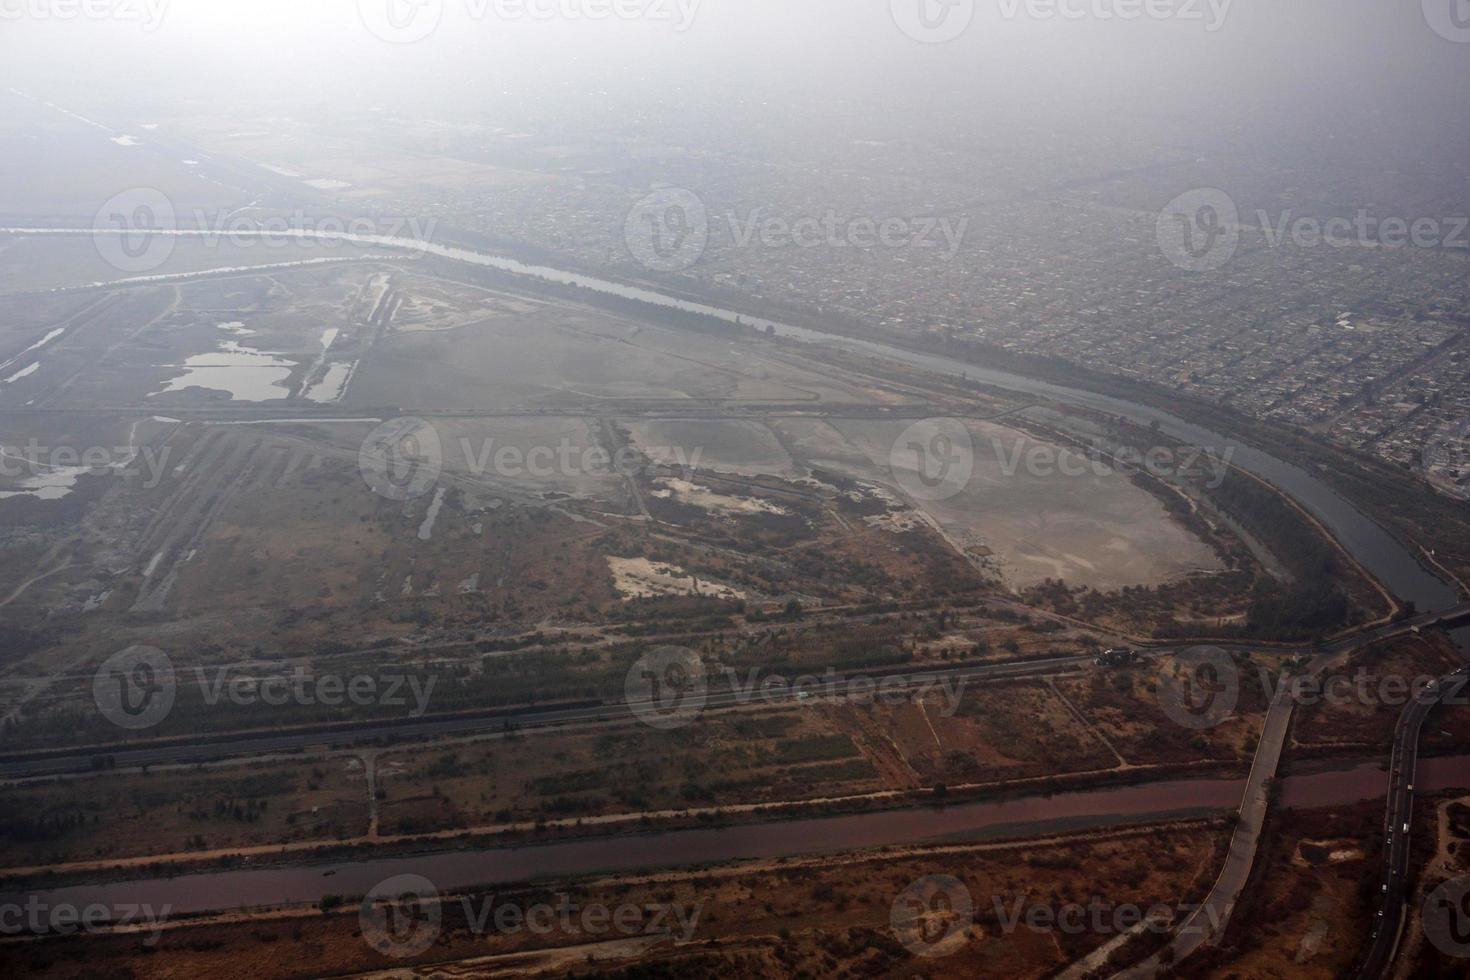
(734, 488)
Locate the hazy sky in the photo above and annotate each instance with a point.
(1205, 50)
(1357, 78)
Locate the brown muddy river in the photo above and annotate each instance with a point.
(1029, 816)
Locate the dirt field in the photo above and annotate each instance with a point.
(131, 815)
(1360, 704)
(1126, 707)
(725, 759)
(789, 919)
(1308, 911)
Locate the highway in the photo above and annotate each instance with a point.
(132, 755)
(1208, 923)
(1398, 821)
(225, 746)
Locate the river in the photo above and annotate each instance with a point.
(1030, 816)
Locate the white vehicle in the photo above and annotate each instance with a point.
(1406, 828)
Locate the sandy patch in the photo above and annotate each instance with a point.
(640, 578)
(703, 497)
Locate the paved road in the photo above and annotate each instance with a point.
(266, 743)
(1207, 923)
(1398, 818)
(17, 766)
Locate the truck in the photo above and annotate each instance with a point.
(1118, 657)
